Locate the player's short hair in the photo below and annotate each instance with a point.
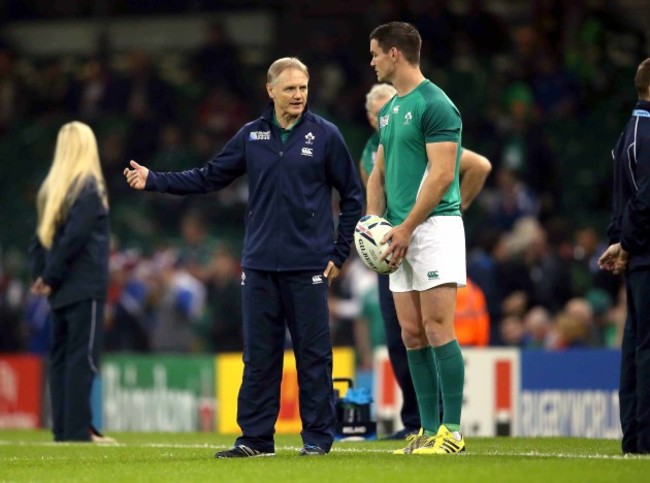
(379, 91)
(283, 64)
(401, 35)
(642, 78)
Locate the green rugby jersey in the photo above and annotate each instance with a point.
(406, 125)
(370, 152)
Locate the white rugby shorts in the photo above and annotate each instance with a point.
(436, 256)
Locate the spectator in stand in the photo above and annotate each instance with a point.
(131, 295)
(553, 88)
(586, 250)
(604, 332)
(222, 113)
(512, 331)
(14, 96)
(224, 330)
(528, 175)
(54, 92)
(581, 311)
(217, 61)
(538, 326)
(91, 93)
(197, 247)
(568, 333)
(484, 263)
(548, 273)
(174, 153)
(147, 100)
(487, 32)
(510, 200)
(12, 336)
(336, 69)
(180, 310)
(617, 316)
(436, 24)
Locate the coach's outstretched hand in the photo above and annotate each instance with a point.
(136, 177)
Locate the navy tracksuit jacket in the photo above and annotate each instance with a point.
(289, 222)
(630, 225)
(289, 239)
(76, 268)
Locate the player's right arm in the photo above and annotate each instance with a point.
(474, 169)
(376, 193)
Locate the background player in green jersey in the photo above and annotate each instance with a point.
(415, 185)
(474, 169)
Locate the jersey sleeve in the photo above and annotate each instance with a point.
(441, 122)
(382, 114)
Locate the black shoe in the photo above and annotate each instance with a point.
(241, 451)
(311, 450)
(401, 434)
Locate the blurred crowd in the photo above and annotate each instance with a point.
(543, 87)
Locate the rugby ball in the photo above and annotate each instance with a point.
(367, 239)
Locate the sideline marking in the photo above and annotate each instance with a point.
(337, 449)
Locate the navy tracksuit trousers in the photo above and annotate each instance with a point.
(76, 342)
(634, 391)
(410, 413)
(273, 302)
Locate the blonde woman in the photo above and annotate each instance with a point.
(69, 256)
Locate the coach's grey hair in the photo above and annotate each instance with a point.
(379, 91)
(283, 64)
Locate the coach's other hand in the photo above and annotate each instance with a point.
(136, 177)
(331, 272)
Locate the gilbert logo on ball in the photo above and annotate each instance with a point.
(369, 232)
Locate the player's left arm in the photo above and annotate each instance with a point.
(376, 186)
(474, 170)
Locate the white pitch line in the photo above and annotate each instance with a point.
(336, 449)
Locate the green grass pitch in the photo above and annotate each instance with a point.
(188, 457)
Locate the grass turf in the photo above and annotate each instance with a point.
(188, 457)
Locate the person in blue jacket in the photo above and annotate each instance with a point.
(292, 252)
(629, 253)
(69, 265)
